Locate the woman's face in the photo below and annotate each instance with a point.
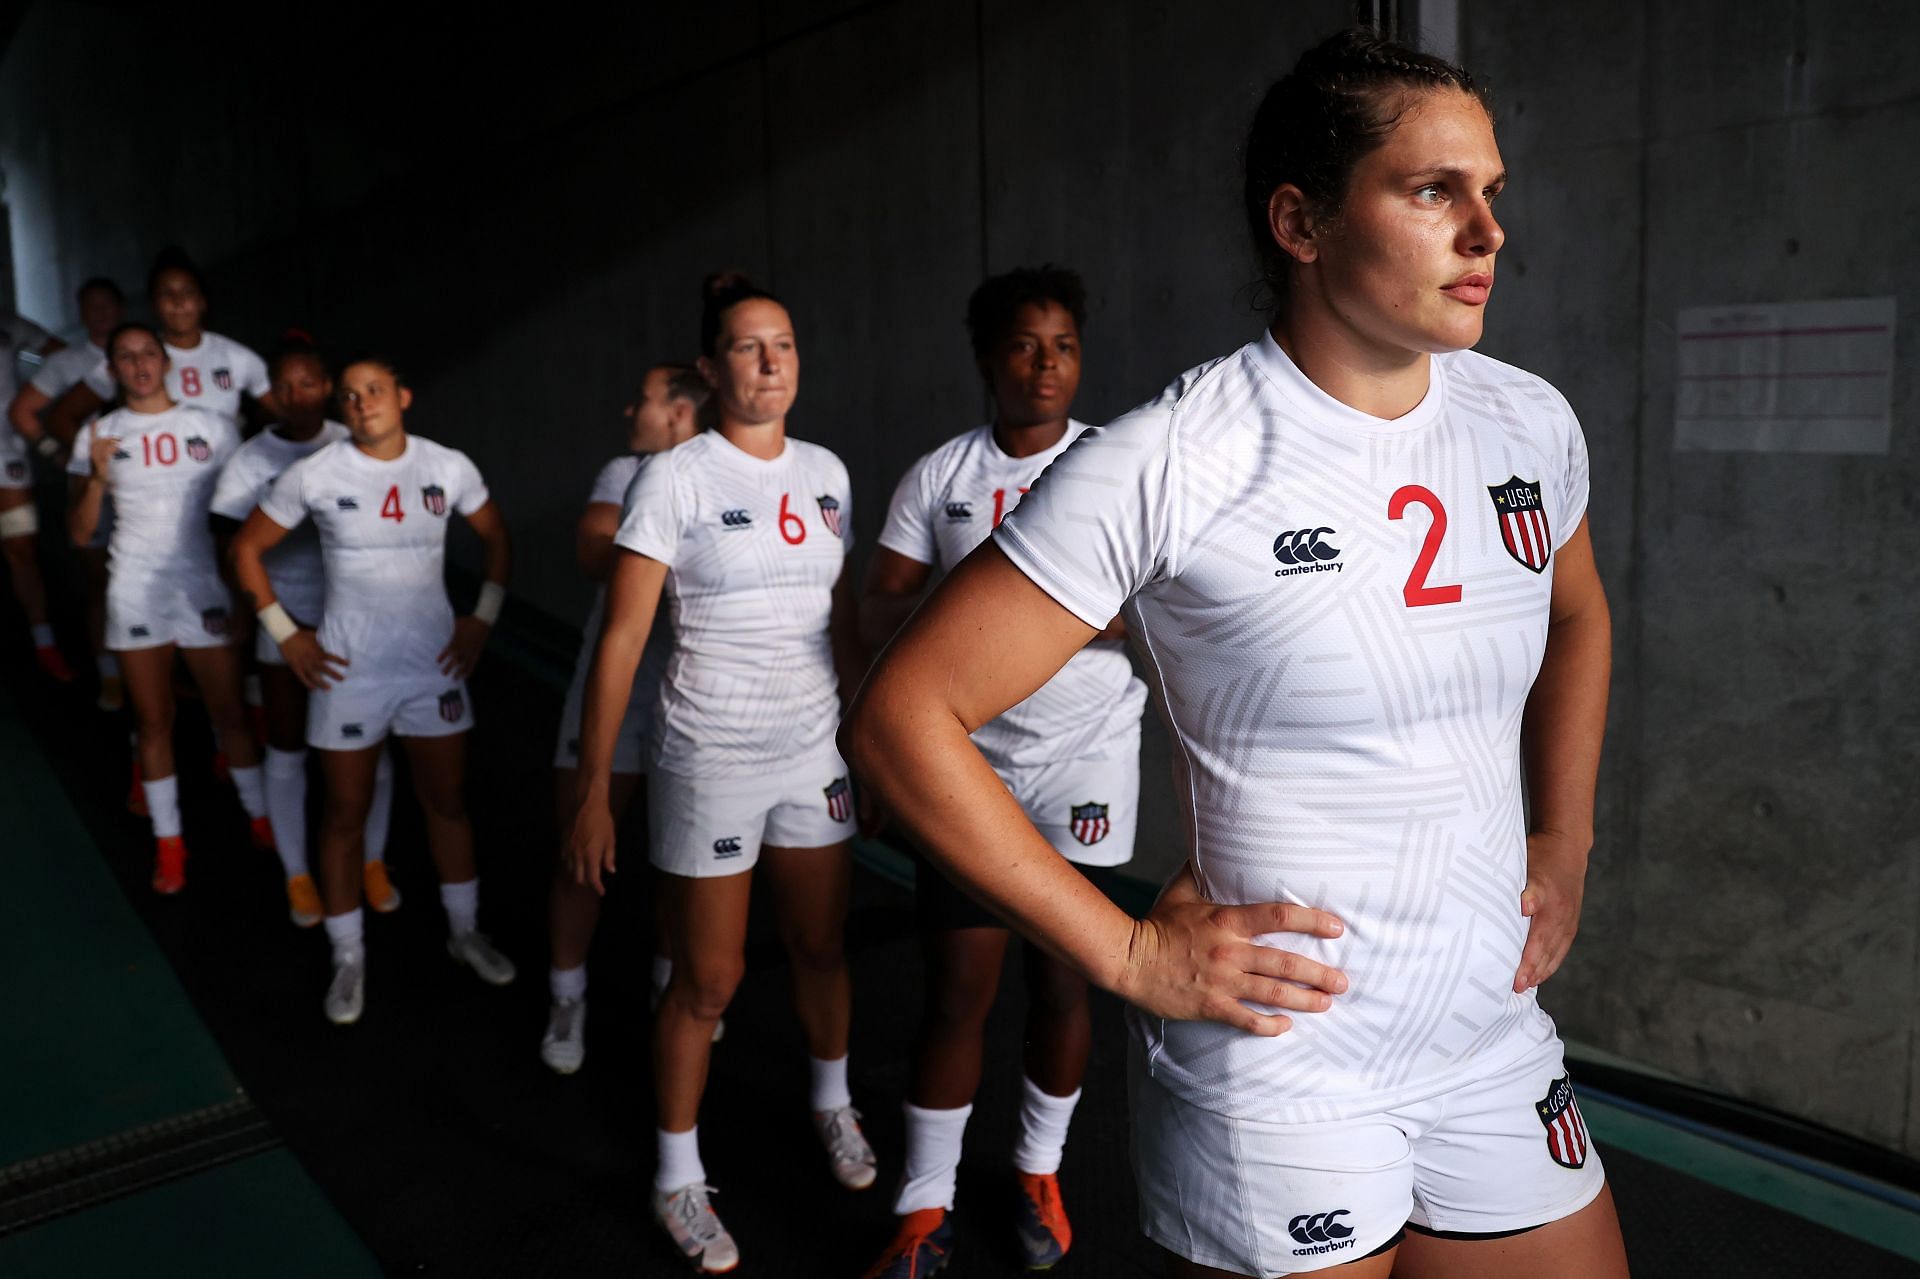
(373, 402)
(1409, 263)
(1034, 371)
(301, 388)
(755, 369)
(179, 303)
(139, 365)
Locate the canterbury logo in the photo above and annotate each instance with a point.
(1320, 1227)
(735, 518)
(1303, 546)
(959, 510)
(729, 847)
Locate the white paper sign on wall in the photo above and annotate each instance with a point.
(1786, 377)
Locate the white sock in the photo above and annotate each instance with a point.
(287, 807)
(567, 984)
(933, 1158)
(42, 636)
(163, 804)
(462, 903)
(253, 790)
(830, 1084)
(1043, 1128)
(662, 974)
(381, 809)
(679, 1159)
(108, 666)
(344, 932)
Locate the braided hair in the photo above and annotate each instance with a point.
(1341, 101)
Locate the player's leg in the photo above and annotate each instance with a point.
(216, 671)
(377, 887)
(573, 913)
(1585, 1245)
(1059, 1039)
(709, 939)
(93, 572)
(149, 675)
(19, 544)
(439, 766)
(283, 705)
(348, 775)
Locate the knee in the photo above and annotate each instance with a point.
(1054, 989)
(815, 949)
(706, 988)
(444, 804)
(345, 812)
(962, 1001)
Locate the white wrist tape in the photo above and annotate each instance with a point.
(274, 620)
(47, 446)
(492, 596)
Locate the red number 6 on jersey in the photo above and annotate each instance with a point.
(1416, 592)
(798, 525)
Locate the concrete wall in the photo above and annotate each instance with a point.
(523, 215)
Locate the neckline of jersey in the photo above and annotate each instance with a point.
(1299, 389)
(730, 449)
(366, 458)
(1075, 428)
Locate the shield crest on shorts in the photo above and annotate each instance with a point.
(1522, 513)
(839, 800)
(1559, 1113)
(452, 705)
(16, 470)
(830, 512)
(214, 620)
(435, 499)
(223, 378)
(1090, 824)
(197, 448)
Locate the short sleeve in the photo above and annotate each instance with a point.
(1574, 483)
(99, 380)
(652, 516)
(610, 486)
(472, 494)
(1093, 530)
(909, 527)
(80, 461)
(253, 377)
(52, 378)
(286, 502)
(233, 492)
(26, 335)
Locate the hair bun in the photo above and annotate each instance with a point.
(721, 283)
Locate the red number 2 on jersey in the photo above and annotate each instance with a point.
(1416, 592)
(390, 508)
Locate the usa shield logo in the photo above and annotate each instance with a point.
(435, 499)
(1090, 824)
(1567, 1139)
(840, 800)
(214, 621)
(452, 705)
(830, 512)
(197, 449)
(223, 378)
(16, 471)
(1523, 521)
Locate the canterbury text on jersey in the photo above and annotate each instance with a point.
(949, 502)
(212, 376)
(161, 479)
(1342, 621)
(383, 537)
(294, 565)
(753, 549)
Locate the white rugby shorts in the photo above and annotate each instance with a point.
(704, 827)
(630, 747)
(1088, 808)
(1497, 1155)
(147, 610)
(359, 712)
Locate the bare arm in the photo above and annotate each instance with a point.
(893, 586)
(984, 641)
(850, 655)
(593, 539)
(24, 413)
(70, 410)
(633, 596)
(462, 652)
(1560, 736)
(310, 664)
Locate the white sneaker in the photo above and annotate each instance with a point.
(847, 1148)
(347, 994)
(564, 1048)
(719, 1023)
(690, 1222)
(476, 952)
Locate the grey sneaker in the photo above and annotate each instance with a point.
(476, 952)
(847, 1148)
(690, 1222)
(564, 1048)
(347, 994)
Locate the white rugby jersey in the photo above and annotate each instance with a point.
(66, 369)
(17, 334)
(753, 549)
(948, 503)
(161, 481)
(611, 486)
(212, 375)
(1342, 617)
(294, 568)
(383, 539)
